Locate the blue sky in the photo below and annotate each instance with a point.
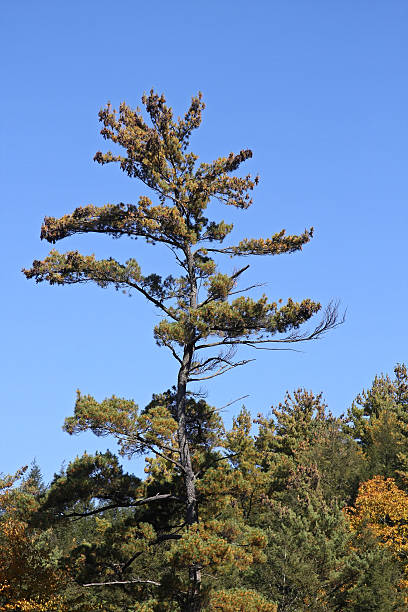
(318, 90)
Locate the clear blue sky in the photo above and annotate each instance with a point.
(317, 89)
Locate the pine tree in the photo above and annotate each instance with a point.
(302, 432)
(315, 560)
(308, 545)
(378, 420)
(206, 316)
(370, 578)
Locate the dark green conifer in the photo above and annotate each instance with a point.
(378, 420)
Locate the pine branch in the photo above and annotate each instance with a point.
(330, 320)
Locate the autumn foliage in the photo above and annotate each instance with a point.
(239, 600)
(29, 576)
(383, 508)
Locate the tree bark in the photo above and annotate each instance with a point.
(193, 599)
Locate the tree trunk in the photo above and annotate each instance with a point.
(193, 600)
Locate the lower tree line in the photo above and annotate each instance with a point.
(298, 510)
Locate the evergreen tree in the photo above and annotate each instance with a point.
(206, 317)
(302, 432)
(33, 481)
(370, 578)
(378, 420)
(121, 550)
(308, 544)
(314, 560)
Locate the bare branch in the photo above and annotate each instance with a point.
(113, 582)
(213, 462)
(211, 363)
(255, 286)
(222, 370)
(168, 345)
(156, 452)
(233, 402)
(157, 303)
(251, 343)
(239, 272)
(273, 348)
(173, 250)
(138, 502)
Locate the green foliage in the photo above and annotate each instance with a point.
(302, 432)
(378, 420)
(134, 525)
(307, 545)
(371, 578)
(272, 535)
(88, 479)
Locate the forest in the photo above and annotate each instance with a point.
(289, 510)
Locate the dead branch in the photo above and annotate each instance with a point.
(113, 582)
(222, 370)
(138, 502)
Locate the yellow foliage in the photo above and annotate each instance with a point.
(383, 507)
(220, 545)
(27, 605)
(239, 600)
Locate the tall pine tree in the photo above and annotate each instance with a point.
(206, 317)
